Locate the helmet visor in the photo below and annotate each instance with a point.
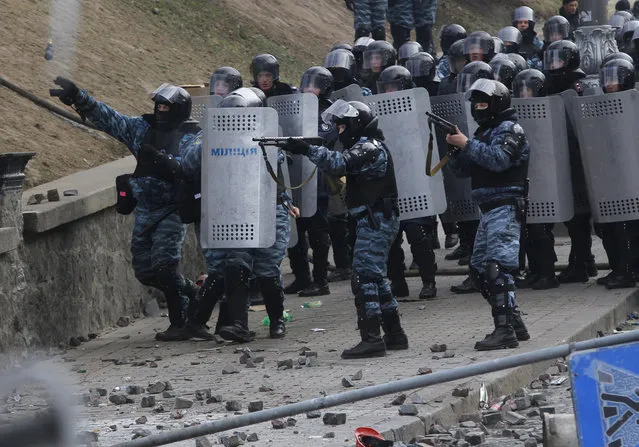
(485, 86)
(312, 83)
(526, 88)
(377, 60)
(456, 63)
(418, 67)
(339, 59)
(390, 86)
(553, 60)
(169, 93)
(509, 34)
(338, 110)
(220, 85)
(610, 79)
(478, 45)
(408, 49)
(556, 31)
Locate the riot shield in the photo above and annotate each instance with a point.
(456, 109)
(238, 195)
(201, 103)
(550, 195)
(608, 136)
(299, 116)
(351, 93)
(292, 240)
(402, 118)
(579, 188)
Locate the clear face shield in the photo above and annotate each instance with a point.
(220, 86)
(553, 60)
(609, 79)
(169, 93)
(314, 84)
(376, 60)
(340, 109)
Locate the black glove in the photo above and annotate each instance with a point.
(169, 169)
(69, 92)
(297, 147)
(350, 5)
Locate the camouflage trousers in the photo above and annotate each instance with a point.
(412, 13)
(156, 249)
(497, 240)
(370, 254)
(370, 14)
(262, 262)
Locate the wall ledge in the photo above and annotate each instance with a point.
(96, 191)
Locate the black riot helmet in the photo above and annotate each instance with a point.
(617, 75)
(407, 50)
(470, 73)
(179, 102)
(224, 80)
(358, 50)
(378, 55)
(524, 13)
(252, 98)
(561, 57)
(518, 60)
(499, 45)
(456, 58)
(493, 93)
(422, 68)
(341, 46)
(265, 63)
(556, 28)
(342, 65)
(233, 101)
(479, 46)
(394, 79)
(529, 83)
(449, 34)
(504, 71)
(627, 34)
(317, 80)
(359, 119)
(617, 55)
(511, 37)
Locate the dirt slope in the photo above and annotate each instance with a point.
(123, 50)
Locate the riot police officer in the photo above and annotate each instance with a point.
(318, 81)
(455, 62)
(265, 69)
(524, 21)
(479, 46)
(359, 47)
(496, 159)
(378, 55)
(230, 270)
(540, 247)
(511, 37)
(561, 66)
(619, 238)
(421, 67)
(342, 65)
(504, 71)
(371, 195)
(467, 229)
(157, 141)
(420, 232)
(224, 80)
(448, 35)
(407, 50)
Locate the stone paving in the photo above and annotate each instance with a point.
(552, 316)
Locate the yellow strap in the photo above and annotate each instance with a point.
(271, 172)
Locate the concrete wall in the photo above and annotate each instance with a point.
(71, 274)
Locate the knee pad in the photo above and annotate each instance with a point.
(479, 280)
(355, 283)
(236, 275)
(167, 275)
(497, 279)
(379, 33)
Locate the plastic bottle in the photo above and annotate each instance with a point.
(312, 304)
(267, 321)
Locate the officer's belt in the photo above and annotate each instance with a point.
(487, 207)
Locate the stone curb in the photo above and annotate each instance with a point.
(462, 270)
(402, 428)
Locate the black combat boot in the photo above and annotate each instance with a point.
(395, 338)
(274, 300)
(372, 344)
(172, 285)
(298, 257)
(378, 33)
(201, 307)
(424, 256)
(498, 288)
(236, 280)
(521, 331)
(465, 287)
(396, 269)
(460, 252)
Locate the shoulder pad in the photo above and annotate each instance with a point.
(190, 127)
